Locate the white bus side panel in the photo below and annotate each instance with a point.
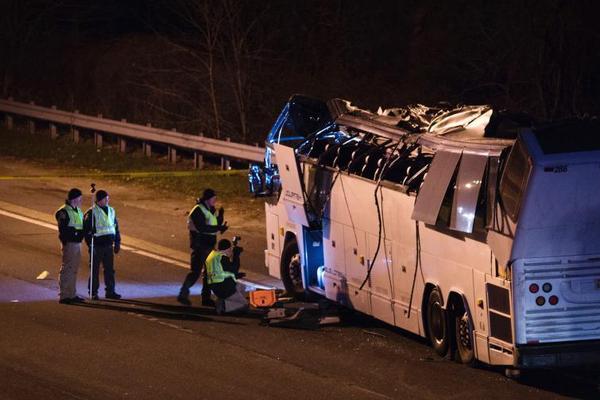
(273, 251)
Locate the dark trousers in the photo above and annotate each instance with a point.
(197, 260)
(103, 255)
(224, 289)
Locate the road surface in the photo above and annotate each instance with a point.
(147, 346)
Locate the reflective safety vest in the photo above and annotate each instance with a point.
(75, 216)
(209, 218)
(105, 224)
(214, 268)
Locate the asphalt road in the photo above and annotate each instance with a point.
(149, 347)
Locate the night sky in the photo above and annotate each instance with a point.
(226, 67)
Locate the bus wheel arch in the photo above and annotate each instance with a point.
(461, 323)
(436, 320)
(291, 266)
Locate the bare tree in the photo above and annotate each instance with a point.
(239, 51)
(21, 24)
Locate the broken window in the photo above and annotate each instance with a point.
(514, 179)
(468, 186)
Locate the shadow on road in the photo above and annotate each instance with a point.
(581, 383)
(167, 311)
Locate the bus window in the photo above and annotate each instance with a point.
(514, 179)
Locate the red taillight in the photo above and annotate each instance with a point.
(540, 300)
(534, 288)
(553, 300)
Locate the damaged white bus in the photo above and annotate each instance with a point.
(464, 225)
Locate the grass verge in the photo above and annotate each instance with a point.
(85, 159)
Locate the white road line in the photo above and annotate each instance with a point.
(128, 248)
(27, 219)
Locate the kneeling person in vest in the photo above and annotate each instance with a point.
(100, 222)
(70, 234)
(222, 281)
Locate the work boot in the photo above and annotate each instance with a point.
(208, 302)
(184, 300)
(220, 306)
(113, 295)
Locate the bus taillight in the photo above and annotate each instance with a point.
(540, 300)
(534, 288)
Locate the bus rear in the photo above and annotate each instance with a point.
(551, 189)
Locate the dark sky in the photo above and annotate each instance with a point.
(149, 59)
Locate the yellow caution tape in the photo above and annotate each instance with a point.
(109, 174)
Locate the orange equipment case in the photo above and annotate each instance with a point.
(262, 298)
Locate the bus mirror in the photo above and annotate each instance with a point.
(263, 181)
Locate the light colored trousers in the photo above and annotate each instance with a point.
(67, 279)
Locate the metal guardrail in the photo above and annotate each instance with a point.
(139, 132)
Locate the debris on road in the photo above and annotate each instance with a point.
(43, 275)
(310, 316)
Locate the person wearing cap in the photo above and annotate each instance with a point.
(204, 222)
(100, 221)
(70, 233)
(222, 266)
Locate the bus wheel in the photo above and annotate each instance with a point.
(464, 336)
(437, 323)
(291, 269)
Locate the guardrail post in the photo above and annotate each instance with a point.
(224, 160)
(172, 151)
(122, 144)
(147, 147)
(198, 160)
(31, 122)
(75, 135)
(172, 156)
(98, 139)
(9, 122)
(53, 132)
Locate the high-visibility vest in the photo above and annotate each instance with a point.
(209, 218)
(214, 268)
(105, 224)
(75, 216)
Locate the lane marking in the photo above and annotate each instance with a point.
(134, 250)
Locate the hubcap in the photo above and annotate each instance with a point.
(295, 272)
(437, 323)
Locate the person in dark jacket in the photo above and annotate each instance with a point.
(101, 222)
(204, 222)
(70, 233)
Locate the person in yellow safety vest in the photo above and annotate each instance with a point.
(101, 222)
(70, 233)
(204, 222)
(222, 266)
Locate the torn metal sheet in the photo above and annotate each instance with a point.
(468, 183)
(492, 184)
(431, 195)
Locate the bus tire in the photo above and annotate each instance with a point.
(291, 270)
(465, 352)
(438, 330)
